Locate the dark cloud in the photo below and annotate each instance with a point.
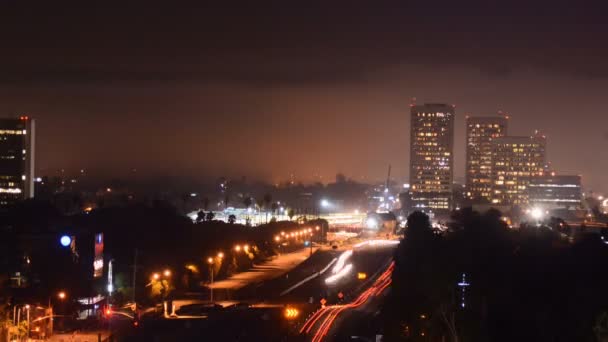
(313, 87)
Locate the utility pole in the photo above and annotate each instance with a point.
(134, 275)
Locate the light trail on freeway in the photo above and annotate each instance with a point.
(321, 322)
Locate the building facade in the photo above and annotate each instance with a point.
(552, 191)
(515, 160)
(480, 131)
(17, 155)
(431, 157)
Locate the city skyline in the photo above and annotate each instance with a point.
(158, 112)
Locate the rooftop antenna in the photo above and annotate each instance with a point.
(388, 176)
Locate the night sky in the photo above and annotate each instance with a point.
(264, 90)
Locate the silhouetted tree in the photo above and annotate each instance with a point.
(210, 216)
(200, 216)
(231, 219)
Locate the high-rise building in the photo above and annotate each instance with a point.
(551, 191)
(431, 157)
(515, 160)
(17, 140)
(480, 131)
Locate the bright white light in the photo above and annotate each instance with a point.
(536, 213)
(38, 179)
(10, 190)
(341, 261)
(385, 190)
(334, 278)
(406, 186)
(193, 195)
(110, 288)
(371, 223)
(324, 203)
(65, 241)
(376, 243)
(281, 209)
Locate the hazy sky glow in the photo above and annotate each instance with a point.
(267, 90)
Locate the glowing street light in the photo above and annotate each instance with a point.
(210, 260)
(167, 273)
(277, 238)
(537, 213)
(237, 248)
(155, 276)
(246, 248)
(325, 203)
(220, 255)
(61, 295)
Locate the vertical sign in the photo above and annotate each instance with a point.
(98, 258)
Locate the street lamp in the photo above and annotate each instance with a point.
(210, 261)
(27, 307)
(220, 255)
(237, 248)
(155, 276)
(167, 273)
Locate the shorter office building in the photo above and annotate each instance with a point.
(553, 191)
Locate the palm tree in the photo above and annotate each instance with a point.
(274, 206)
(247, 202)
(267, 200)
(291, 213)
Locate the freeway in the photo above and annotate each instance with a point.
(320, 324)
(331, 276)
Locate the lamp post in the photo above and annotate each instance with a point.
(211, 261)
(61, 295)
(27, 307)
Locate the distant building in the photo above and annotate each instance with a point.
(552, 191)
(17, 141)
(515, 160)
(480, 131)
(431, 157)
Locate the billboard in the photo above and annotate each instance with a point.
(98, 258)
